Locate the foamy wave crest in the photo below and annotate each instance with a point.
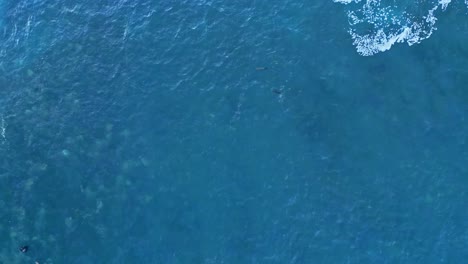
(376, 25)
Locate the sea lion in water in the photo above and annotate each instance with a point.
(277, 91)
(24, 249)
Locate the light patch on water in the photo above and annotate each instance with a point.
(28, 26)
(347, 1)
(3, 128)
(376, 25)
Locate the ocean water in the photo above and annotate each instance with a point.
(209, 131)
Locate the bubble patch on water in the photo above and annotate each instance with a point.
(376, 25)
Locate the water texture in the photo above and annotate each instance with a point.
(233, 131)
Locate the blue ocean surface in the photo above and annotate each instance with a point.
(211, 131)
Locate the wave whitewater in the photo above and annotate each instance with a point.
(376, 25)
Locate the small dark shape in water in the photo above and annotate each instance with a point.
(24, 249)
(261, 68)
(277, 91)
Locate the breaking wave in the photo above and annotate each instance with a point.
(376, 25)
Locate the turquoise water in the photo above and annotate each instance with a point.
(232, 132)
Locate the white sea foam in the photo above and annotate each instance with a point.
(376, 25)
(444, 3)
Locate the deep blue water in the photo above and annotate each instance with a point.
(198, 131)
